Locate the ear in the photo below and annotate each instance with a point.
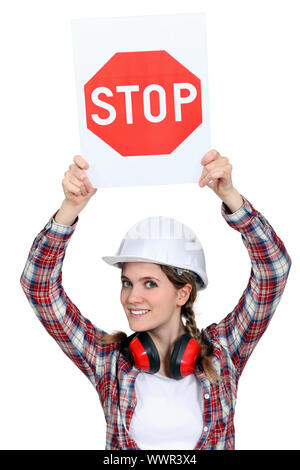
(183, 294)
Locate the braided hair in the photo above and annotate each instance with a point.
(204, 361)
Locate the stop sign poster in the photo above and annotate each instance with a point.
(142, 90)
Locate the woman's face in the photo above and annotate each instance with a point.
(149, 299)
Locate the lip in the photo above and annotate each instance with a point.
(132, 315)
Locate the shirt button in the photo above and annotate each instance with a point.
(206, 396)
(205, 428)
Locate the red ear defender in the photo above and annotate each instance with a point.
(184, 356)
(144, 353)
(146, 357)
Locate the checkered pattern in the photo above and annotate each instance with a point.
(234, 338)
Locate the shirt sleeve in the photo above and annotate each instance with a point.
(41, 281)
(242, 328)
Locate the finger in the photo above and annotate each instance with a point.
(71, 188)
(88, 185)
(203, 175)
(85, 182)
(83, 190)
(82, 185)
(73, 179)
(212, 176)
(221, 162)
(77, 172)
(210, 156)
(81, 162)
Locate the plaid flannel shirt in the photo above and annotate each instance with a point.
(233, 338)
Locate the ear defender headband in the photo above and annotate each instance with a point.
(140, 349)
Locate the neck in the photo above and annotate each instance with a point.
(165, 339)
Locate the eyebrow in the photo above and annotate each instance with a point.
(142, 278)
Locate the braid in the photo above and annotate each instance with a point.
(204, 361)
(190, 324)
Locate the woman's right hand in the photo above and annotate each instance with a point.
(78, 191)
(77, 187)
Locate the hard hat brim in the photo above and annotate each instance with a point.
(115, 260)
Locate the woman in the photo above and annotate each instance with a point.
(168, 385)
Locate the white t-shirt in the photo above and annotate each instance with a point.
(168, 414)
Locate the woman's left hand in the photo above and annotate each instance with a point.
(217, 175)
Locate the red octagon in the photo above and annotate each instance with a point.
(143, 103)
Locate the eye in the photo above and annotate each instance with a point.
(123, 283)
(151, 282)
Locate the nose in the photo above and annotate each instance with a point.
(134, 295)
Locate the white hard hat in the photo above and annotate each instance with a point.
(163, 240)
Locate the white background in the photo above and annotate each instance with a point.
(253, 57)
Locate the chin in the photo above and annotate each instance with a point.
(138, 327)
(135, 325)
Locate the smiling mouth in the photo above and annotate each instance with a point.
(138, 313)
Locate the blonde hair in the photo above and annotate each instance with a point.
(187, 312)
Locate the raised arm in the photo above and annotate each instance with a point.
(270, 263)
(41, 279)
(242, 328)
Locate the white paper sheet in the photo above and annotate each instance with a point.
(139, 111)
